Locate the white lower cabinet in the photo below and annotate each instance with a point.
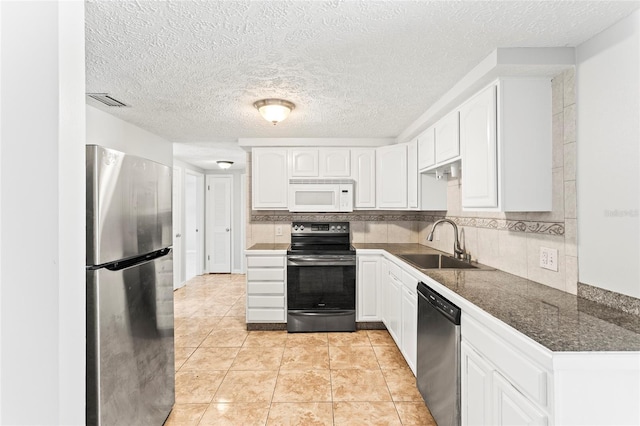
(369, 288)
(501, 384)
(400, 309)
(475, 388)
(393, 303)
(510, 407)
(409, 332)
(266, 288)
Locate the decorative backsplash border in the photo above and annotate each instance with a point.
(527, 226)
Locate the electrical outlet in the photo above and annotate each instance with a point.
(549, 259)
(436, 234)
(278, 230)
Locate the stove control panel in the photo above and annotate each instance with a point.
(320, 227)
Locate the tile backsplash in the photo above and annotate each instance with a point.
(513, 243)
(508, 241)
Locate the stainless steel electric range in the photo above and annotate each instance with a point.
(321, 278)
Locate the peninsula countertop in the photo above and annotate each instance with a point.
(559, 321)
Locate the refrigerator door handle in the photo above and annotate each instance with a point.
(123, 264)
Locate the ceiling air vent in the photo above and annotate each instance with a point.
(106, 99)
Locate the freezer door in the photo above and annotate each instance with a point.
(130, 352)
(128, 205)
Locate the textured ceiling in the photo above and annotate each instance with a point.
(191, 70)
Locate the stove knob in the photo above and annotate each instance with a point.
(333, 228)
(295, 227)
(302, 227)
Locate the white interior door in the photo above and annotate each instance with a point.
(177, 227)
(219, 223)
(191, 226)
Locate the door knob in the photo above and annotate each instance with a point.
(227, 229)
(178, 235)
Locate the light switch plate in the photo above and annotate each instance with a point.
(549, 259)
(278, 230)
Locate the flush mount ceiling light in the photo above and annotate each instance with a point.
(274, 110)
(224, 164)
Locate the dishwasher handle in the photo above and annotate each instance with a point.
(444, 306)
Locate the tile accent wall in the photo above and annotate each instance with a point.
(508, 241)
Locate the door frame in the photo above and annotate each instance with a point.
(177, 204)
(209, 229)
(200, 222)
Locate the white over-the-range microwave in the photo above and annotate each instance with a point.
(320, 195)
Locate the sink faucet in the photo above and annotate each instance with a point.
(458, 252)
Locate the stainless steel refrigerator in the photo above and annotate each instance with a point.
(129, 268)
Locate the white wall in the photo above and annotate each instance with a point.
(608, 158)
(111, 132)
(42, 225)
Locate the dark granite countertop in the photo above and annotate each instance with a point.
(557, 320)
(267, 246)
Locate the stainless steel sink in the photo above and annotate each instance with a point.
(436, 261)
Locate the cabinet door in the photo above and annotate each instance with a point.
(412, 174)
(335, 162)
(447, 134)
(479, 150)
(384, 278)
(410, 326)
(394, 305)
(363, 166)
(368, 285)
(391, 176)
(269, 178)
(510, 407)
(304, 162)
(427, 149)
(475, 400)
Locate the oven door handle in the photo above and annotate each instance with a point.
(321, 261)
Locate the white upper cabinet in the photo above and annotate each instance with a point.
(322, 162)
(447, 137)
(304, 162)
(505, 135)
(412, 175)
(335, 162)
(478, 133)
(269, 179)
(391, 176)
(363, 168)
(427, 148)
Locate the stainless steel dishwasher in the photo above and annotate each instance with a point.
(438, 368)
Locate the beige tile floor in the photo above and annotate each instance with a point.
(228, 376)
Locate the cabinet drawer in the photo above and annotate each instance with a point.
(265, 274)
(265, 301)
(265, 261)
(265, 315)
(395, 270)
(410, 282)
(528, 377)
(268, 287)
